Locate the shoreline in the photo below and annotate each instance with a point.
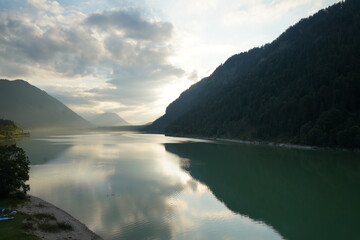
(284, 145)
(274, 144)
(36, 205)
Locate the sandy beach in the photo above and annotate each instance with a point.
(38, 206)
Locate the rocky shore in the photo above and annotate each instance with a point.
(56, 223)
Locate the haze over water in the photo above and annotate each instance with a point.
(134, 186)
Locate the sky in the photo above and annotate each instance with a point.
(133, 57)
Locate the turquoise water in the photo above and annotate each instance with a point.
(134, 186)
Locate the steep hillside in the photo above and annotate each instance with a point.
(207, 88)
(32, 108)
(304, 88)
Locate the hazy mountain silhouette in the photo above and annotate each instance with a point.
(31, 108)
(302, 88)
(108, 119)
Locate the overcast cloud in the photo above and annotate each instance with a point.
(133, 57)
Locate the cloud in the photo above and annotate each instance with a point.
(193, 76)
(123, 54)
(68, 51)
(128, 50)
(131, 24)
(260, 12)
(73, 99)
(46, 6)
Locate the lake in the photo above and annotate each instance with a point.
(125, 185)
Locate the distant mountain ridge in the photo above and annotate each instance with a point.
(302, 88)
(108, 119)
(31, 108)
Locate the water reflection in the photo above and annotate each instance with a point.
(42, 151)
(127, 186)
(302, 194)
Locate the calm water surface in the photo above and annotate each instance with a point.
(133, 186)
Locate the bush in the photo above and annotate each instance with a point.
(14, 170)
(349, 138)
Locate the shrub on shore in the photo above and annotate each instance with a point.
(14, 170)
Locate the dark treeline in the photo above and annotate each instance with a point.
(9, 129)
(7, 123)
(302, 88)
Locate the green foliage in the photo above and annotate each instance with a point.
(349, 137)
(14, 170)
(18, 227)
(302, 88)
(8, 129)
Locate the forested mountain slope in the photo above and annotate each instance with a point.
(303, 88)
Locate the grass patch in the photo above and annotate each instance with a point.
(22, 224)
(29, 226)
(14, 229)
(11, 202)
